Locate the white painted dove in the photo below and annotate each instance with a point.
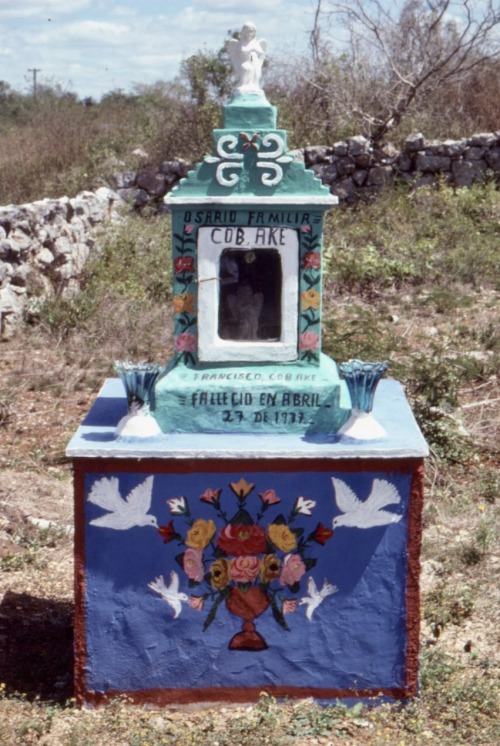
(315, 597)
(171, 594)
(358, 514)
(123, 513)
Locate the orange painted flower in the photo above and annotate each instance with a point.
(269, 568)
(282, 537)
(242, 488)
(184, 303)
(200, 534)
(220, 574)
(310, 299)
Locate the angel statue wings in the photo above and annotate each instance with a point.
(247, 56)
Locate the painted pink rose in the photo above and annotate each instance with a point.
(311, 260)
(188, 228)
(185, 342)
(183, 264)
(289, 606)
(292, 569)
(269, 497)
(309, 341)
(193, 565)
(245, 569)
(305, 228)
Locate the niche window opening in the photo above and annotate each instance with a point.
(250, 286)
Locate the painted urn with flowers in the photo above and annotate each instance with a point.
(250, 561)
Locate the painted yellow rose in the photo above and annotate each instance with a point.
(184, 303)
(220, 573)
(269, 568)
(310, 299)
(200, 534)
(282, 537)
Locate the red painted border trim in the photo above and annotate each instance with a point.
(414, 543)
(162, 697)
(414, 466)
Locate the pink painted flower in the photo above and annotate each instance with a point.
(183, 264)
(188, 228)
(245, 569)
(306, 228)
(308, 341)
(192, 564)
(269, 497)
(311, 260)
(185, 342)
(292, 570)
(197, 602)
(289, 606)
(211, 496)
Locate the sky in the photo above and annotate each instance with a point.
(92, 47)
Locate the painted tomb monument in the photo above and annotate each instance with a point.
(248, 518)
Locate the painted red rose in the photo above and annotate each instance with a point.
(183, 264)
(242, 540)
(311, 260)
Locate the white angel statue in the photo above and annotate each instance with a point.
(247, 56)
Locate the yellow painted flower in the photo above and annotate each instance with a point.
(200, 534)
(184, 303)
(282, 537)
(220, 573)
(269, 568)
(310, 299)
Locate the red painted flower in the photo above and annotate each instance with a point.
(250, 143)
(311, 260)
(321, 534)
(183, 264)
(242, 540)
(309, 341)
(167, 532)
(185, 342)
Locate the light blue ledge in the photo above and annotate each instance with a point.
(95, 438)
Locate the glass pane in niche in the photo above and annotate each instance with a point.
(250, 286)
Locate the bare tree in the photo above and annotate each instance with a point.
(399, 53)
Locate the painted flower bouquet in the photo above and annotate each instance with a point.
(244, 562)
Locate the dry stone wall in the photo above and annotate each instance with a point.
(47, 243)
(353, 168)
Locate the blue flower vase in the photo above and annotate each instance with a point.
(139, 380)
(362, 381)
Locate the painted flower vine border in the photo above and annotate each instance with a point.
(246, 554)
(310, 295)
(185, 295)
